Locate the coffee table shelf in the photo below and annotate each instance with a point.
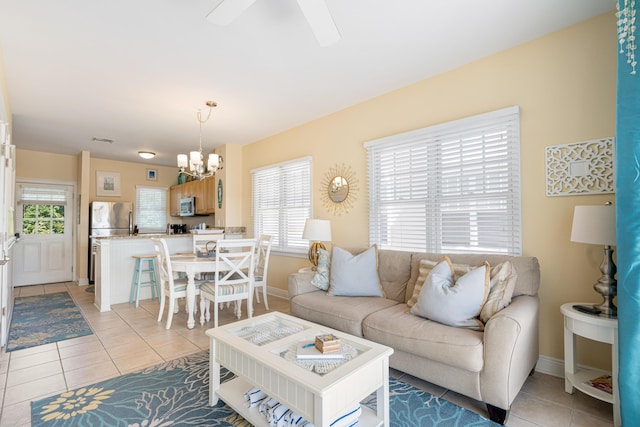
(232, 392)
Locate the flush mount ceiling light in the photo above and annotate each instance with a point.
(146, 154)
(195, 161)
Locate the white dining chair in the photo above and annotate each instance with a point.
(200, 242)
(203, 243)
(233, 279)
(263, 251)
(171, 288)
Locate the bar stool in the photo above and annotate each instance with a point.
(138, 282)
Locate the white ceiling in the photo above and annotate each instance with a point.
(137, 71)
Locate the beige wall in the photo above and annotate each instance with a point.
(40, 165)
(564, 84)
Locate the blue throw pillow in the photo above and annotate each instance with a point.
(355, 275)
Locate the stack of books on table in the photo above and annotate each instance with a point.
(323, 347)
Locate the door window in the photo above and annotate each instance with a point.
(42, 219)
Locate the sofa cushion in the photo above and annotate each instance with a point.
(394, 269)
(527, 269)
(321, 276)
(343, 313)
(451, 300)
(355, 275)
(399, 329)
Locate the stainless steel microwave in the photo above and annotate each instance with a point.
(188, 206)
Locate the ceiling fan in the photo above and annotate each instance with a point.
(315, 11)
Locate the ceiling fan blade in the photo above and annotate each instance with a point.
(320, 21)
(227, 11)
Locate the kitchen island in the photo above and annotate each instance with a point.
(115, 264)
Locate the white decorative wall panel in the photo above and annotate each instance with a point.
(581, 168)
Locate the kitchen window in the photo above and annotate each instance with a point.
(281, 198)
(151, 209)
(448, 188)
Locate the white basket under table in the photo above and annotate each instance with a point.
(261, 352)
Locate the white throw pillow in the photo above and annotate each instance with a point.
(454, 302)
(426, 265)
(355, 275)
(321, 277)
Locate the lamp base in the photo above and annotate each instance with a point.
(607, 285)
(314, 252)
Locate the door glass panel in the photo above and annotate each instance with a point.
(42, 219)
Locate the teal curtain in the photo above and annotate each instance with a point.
(628, 233)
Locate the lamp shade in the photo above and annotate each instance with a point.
(317, 230)
(594, 224)
(183, 161)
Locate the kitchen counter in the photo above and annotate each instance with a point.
(143, 236)
(115, 264)
(226, 230)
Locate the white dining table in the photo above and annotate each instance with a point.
(191, 264)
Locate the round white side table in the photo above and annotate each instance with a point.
(596, 328)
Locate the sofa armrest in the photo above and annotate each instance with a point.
(300, 283)
(510, 351)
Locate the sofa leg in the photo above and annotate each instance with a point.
(497, 415)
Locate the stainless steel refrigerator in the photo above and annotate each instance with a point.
(107, 219)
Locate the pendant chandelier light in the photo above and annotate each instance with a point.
(195, 160)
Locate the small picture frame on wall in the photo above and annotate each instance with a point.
(152, 174)
(108, 184)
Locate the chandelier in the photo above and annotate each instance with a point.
(195, 160)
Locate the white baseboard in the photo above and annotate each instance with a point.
(277, 292)
(83, 282)
(550, 366)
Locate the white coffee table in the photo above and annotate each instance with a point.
(259, 351)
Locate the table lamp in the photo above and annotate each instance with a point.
(597, 225)
(316, 231)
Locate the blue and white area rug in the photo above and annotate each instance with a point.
(43, 319)
(176, 393)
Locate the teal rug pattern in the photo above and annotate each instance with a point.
(43, 319)
(176, 393)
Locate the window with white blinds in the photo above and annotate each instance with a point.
(281, 197)
(151, 209)
(449, 188)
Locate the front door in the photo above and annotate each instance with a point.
(44, 253)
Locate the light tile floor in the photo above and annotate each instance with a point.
(127, 339)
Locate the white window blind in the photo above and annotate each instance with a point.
(282, 203)
(151, 209)
(449, 188)
(41, 194)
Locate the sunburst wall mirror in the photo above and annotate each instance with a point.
(339, 189)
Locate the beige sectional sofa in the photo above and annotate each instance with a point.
(490, 366)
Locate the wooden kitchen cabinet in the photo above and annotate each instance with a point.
(210, 194)
(203, 191)
(175, 194)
